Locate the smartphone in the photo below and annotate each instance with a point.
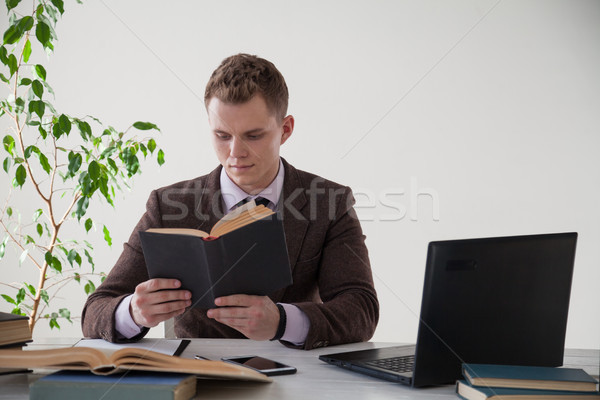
(261, 364)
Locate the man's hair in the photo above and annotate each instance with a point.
(242, 76)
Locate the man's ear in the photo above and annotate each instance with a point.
(288, 127)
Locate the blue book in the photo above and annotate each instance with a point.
(469, 392)
(527, 377)
(83, 385)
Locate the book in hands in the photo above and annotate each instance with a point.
(14, 329)
(469, 392)
(83, 385)
(122, 360)
(528, 377)
(244, 253)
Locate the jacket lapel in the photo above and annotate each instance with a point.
(295, 223)
(209, 208)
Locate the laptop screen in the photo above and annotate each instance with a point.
(495, 301)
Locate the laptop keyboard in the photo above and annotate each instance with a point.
(396, 364)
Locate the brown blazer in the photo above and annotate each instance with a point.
(332, 277)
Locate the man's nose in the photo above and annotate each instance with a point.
(238, 148)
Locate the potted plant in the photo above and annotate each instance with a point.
(65, 162)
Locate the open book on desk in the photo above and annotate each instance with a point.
(105, 362)
(244, 253)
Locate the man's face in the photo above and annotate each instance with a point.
(246, 138)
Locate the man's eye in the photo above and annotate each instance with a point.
(222, 136)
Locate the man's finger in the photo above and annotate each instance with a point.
(240, 300)
(156, 284)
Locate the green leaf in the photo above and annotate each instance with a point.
(31, 288)
(37, 214)
(9, 144)
(9, 211)
(151, 145)
(90, 259)
(56, 131)
(65, 314)
(88, 224)
(23, 257)
(74, 163)
(26, 23)
(44, 163)
(53, 323)
(107, 237)
(10, 4)
(12, 34)
(94, 170)
(40, 71)
(84, 129)
(144, 126)
(59, 5)
(65, 123)
(3, 55)
(29, 150)
(42, 132)
(5, 80)
(89, 287)
(3, 247)
(72, 256)
(38, 88)
(12, 64)
(161, 157)
(38, 107)
(25, 82)
(20, 175)
(42, 33)
(40, 229)
(9, 299)
(20, 296)
(27, 51)
(82, 205)
(77, 277)
(56, 264)
(29, 239)
(44, 296)
(48, 257)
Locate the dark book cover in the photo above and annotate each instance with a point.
(529, 377)
(466, 391)
(250, 260)
(83, 385)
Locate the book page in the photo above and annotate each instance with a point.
(163, 346)
(179, 231)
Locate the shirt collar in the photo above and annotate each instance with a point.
(233, 194)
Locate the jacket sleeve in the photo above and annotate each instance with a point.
(98, 317)
(349, 309)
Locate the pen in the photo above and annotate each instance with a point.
(199, 357)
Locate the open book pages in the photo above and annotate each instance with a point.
(241, 216)
(124, 359)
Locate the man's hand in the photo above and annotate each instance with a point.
(257, 317)
(152, 303)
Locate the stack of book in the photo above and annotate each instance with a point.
(14, 333)
(14, 330)
(486, 381)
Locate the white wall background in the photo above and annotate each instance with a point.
(489, 109)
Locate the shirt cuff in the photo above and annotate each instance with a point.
(297, 325)
(124, 323)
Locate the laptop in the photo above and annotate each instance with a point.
(500, 300)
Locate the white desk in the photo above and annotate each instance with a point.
(314, 379)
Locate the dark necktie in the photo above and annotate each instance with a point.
(258, 201)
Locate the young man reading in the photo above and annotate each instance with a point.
(332, 299)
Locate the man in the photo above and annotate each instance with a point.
(332, 299)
